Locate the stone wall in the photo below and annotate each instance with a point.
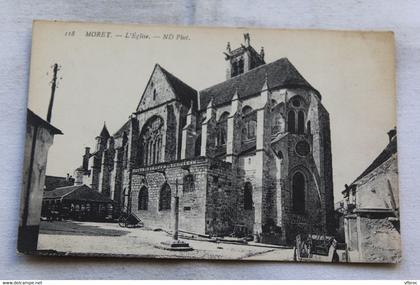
(201, 210)
(380, 240)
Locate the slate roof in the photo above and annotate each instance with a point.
(124, 128)
(185, 93)
(389, 150)
(104, 133)
(280, 73)
(79, 193)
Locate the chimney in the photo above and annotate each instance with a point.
(86, 156)
(392, 133)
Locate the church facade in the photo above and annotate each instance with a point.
(252, 151)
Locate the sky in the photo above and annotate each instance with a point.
(102, 80)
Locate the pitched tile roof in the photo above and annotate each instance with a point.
(280, 73)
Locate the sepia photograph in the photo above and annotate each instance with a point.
(210, 143)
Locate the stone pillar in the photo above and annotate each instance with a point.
(106, 168)
(233, 142)
(133, 141)
(263, 138)
(207, 139)
(116, 175)
(96, 170)
(189, 135)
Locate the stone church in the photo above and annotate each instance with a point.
(253, 151)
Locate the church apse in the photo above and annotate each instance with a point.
(252, 152)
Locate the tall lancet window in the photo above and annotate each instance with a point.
(249, 117)
(222, 129)
(291, 122)
(151, 141)
(298, 193)
(301, 122)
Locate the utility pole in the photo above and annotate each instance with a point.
(53, 82)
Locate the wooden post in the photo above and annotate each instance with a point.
(53, 87)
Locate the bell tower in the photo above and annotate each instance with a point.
(242, 59)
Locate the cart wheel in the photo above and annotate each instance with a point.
(122, 222)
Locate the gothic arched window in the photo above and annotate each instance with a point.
(246, 110)
(151, 141)
(291, 122)
(222, 129)
(188, 183)
(301, 123)
(234, 70)
(250, 123)
(298, 192)
(197, 146)
(143, 198)
(241, 66)
(277, 119)
(248, 203)
(165, 198)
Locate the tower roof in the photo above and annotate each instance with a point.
(104, 133)
(280, 73)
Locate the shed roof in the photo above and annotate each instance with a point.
(77, 193)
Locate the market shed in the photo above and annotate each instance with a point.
(77, 202)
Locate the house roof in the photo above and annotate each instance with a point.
(78, 193)
(389, 150)
(280, 73)
(37, 120)
(184, 93)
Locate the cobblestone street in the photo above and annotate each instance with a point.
(110, 239)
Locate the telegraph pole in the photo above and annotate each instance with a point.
(53, 87)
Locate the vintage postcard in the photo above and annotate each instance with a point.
(211, 143)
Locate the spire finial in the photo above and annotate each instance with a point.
(104, 133)
(228, 47)
(247, 40)
(262, 53)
